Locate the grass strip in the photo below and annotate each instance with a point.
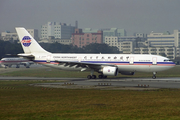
(19, 101)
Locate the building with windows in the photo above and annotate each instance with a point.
(125, 44)
(163, 51)
(170, 42)
(164, 39)
(90, 30)
(62, 41)
(113, 32)
(107, 32)
(164, 44)
(81, 39)
(51, 39)
(34, 33)
(57, 30)
(8, 36)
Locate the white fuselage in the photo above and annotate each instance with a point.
(13, 61)
(124, 62)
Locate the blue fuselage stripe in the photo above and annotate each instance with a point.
(112, 62)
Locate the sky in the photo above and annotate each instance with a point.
(135, 16)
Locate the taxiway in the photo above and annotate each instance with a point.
(118, 82)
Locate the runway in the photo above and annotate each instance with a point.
(104, 83)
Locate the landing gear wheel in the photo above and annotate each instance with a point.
(89, 77)
(100, 76)
(93, 76)
(154, 77)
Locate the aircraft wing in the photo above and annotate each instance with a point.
(91, 65)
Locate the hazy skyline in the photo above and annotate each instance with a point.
(141, 16)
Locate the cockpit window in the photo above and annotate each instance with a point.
(167, 60)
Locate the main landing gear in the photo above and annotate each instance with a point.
(102, 76)
(154, 75)
(94, 76)
(91, 76)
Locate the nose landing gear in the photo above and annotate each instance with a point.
(154, 75)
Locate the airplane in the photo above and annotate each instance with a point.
(9, 61)
(105, 64)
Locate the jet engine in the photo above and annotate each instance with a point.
(127, 73)
(112, 71)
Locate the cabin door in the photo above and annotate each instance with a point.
(154, 61)
(48, 58)
(79, 59)
(131, 62)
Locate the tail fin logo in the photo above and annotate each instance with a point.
(26, 41)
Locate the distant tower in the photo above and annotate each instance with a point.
(76, 24)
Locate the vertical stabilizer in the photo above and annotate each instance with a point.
(29, 44)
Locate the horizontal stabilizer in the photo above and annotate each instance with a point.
(28, 56)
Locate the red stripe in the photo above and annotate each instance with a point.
(117, 64)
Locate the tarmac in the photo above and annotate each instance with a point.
(115, 83)
(119, 83)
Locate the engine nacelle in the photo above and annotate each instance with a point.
(112, 71)
(127, 73)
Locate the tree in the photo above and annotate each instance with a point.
(16, 48)
(9, 48)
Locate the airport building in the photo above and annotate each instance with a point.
(57, 30)
(81, 39)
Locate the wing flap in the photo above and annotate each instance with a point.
(95, 66)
